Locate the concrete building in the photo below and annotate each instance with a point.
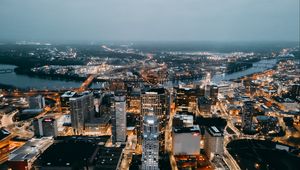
(5, 136)
(204, 105)
(45, 126)
(186, 140)
(214, 142)
(156, 101)
(24, 157)
(80, 152)
(185, 136)
(36, 102)
(65, 98)
(247, 116)
(214, 91)
(150, 105)
(82, 109)
(295, 91)
(119, 118)
(150, 156)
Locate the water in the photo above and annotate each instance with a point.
(259, 66)
(23, 81)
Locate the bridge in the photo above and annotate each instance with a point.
(4, 71)
(86, 83)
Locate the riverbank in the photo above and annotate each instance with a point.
(21, 81)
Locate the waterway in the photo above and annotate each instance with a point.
(29, 82)
(259, 66)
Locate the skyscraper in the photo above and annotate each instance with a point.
(247, 116)
(36, 102)
(119, 118)
(150, 155)
(156, 101)
(45, 126)
(214, 142)
(151, 104)
(82, 108)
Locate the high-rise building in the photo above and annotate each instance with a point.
(247, 116)
(36, 102)
(65, 98)
(82, 108)
(214, 142)
(156, 101)
(150, 156)
(185, 136)
(119, 118)
(45, 126)
(150, 105)
(214, 91)
(204, 105)
(295, 91)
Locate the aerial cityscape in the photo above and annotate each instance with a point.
(144, 97)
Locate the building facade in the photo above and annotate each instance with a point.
(214, 142)
(150, 157)
(119, 118)
(45, 126)
(82, 109)
(36, 102)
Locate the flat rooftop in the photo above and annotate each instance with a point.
(79, 151)
(191, 129)
(68, 94)
(31, 149)
(214, 131)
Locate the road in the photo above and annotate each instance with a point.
(128, 151)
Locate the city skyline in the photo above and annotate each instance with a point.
(150, 84)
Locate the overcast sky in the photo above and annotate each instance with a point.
(149, 20)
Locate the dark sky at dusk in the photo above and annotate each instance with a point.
(149, 20)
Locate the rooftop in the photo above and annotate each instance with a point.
(68, 94)
(192, 129)
(214, 131)
(3, 133)
(79, 151)
(31, 149)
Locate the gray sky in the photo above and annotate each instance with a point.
(149, 20)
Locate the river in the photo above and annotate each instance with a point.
(24, 81)
(259, 66)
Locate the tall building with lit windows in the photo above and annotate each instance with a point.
(150, 155)
(155, 101)
(119, 118)
(82, 108)
(45, 126)
(36, 102)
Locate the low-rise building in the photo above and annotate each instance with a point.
(23, 158)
